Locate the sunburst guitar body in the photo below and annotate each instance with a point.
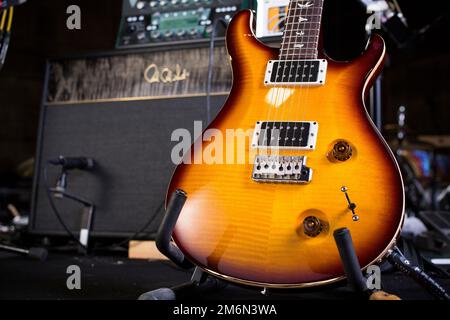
(314, 163)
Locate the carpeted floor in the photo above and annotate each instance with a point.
(120, 278)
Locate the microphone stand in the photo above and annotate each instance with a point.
(88, 209)
(86, 216)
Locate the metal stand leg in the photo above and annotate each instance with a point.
(200, 282)
(34, 253)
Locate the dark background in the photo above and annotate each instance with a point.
(415, 77)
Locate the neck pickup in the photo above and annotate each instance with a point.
(296, 72)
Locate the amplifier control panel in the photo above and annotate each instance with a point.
(145, 23)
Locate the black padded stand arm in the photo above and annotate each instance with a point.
(350, 261)
(164, 237)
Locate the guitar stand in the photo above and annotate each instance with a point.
(33, 253)
(201, 282)
(358, 283)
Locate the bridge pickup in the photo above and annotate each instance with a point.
(296, 72)
(281, 169)
(285, 135)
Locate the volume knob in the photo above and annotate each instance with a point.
(342, 151)
(312, 226)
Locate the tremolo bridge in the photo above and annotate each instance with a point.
(281, 169)
(277, 135)
(296, 72)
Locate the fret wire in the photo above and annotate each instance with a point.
(303, 30)
(287, 26)
(312, 27)
(304, 15)
(303, 48)
(300, 37)
(301, 54)
(287, 23)
(309, 42)
(293, 16)
(306, 49)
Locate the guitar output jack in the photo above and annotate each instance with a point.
(312, 226)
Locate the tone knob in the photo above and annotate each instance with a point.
(342, 151)
(312, 226)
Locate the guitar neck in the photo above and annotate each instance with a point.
(302, 30)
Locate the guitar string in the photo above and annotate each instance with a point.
(282, 108)
(281, 89)
(275, 90)
(315, 56)
(294, 34)
(289, 90)
(298, 103)
(293, 103)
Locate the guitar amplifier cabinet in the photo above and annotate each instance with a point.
(120, 109)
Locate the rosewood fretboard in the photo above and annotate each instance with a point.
(302, 30)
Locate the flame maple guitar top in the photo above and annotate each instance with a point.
(252, 233)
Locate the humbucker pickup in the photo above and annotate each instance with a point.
(281, 169)
(296, 72)
(285, 135)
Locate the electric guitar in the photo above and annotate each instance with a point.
(263, 212)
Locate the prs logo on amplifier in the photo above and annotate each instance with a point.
(155, 74)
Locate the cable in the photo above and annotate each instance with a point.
(149, 222)
(55, 209)
(71, 235)
(2, 23)
(210, 66)
(397, 259)
(11, 13)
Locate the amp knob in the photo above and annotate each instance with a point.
(181, 32)
(193, 32)
(342, 151)
(168, 34)
(155, 34)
